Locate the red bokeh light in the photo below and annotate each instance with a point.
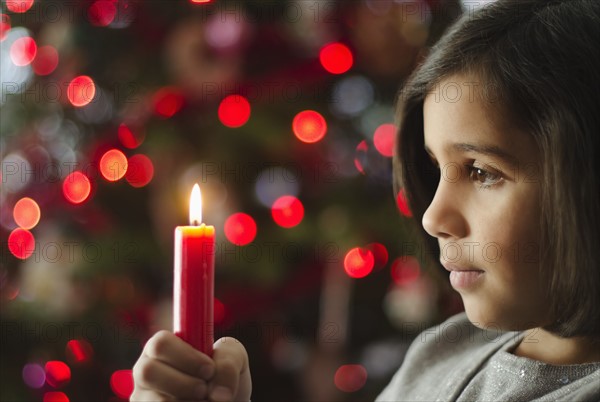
(23, 51)
(81, 90)
(26, 213)
(55, 396)
(350, 377)
(405, 270)
(19, 6)
(57, 373)
(102, 12)
(79, 351)
(240, 229)
(76, 187)
(140, 170)
(200, 1)
(4, 26)
(402, 203)
(12, 294)
(287, 211)
(359, 262)
(336, 58)
(234, 111)
(361, 152)
(383, 139)
(219, 311)
(113, 165)
(309, 126)
(121, 383)
(46, 60)
(380, 254)
(128, 138)
(21, 243)
(168, 101)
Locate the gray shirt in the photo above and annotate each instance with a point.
(457, 361)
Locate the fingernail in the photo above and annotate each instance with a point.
(221, 394)
(206, 372)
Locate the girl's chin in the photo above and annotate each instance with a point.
(479, 318)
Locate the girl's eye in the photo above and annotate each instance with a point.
(485, 178)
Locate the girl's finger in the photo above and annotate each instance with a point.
(154, 375)
(232, 374)
(170, 349)
(147, 395)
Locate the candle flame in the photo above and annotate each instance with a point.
(195, 206)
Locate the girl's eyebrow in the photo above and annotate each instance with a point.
(484, 149)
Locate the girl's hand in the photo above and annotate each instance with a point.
(170, 369)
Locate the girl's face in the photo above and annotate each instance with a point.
(486, 209)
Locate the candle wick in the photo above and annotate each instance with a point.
(195, 222)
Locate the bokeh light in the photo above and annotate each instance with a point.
(19, 6)
(219, 311)
(34, 375)
(359, 262)
(16, 78)
(309, 126)
(287, 211)
(128, 137)
(234, 111)
(55, 396)
(113, 165)
(81, 90)
(46, 60)
(350, 377)
(12, 180)
(21, 243)
(224, 30)
(58, 373)
(76, 187)
(383, 139)
(102, 12)
(140, 170)
(274, 182)
(200, 1)
(23, 51)
(12, 292)
(79, 351)
(361, 156)
(336, 58)
(4, 26)
(402, 203)
(26, 213)
(352, 95)
(380, 254)
(168, 101)
(126, 13)
(240, 229)
(405, 270)
(99, 110)
(373, 117)
(121, 383)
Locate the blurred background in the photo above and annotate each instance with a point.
(283, 112)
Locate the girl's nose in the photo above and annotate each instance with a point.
(443, 218)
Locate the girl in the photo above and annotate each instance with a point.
(498, 153)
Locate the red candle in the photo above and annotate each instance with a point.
(193, 288)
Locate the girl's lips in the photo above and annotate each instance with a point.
(464, 279)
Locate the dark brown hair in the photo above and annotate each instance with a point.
(543, 59)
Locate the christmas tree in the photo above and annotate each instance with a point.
(283, 113)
